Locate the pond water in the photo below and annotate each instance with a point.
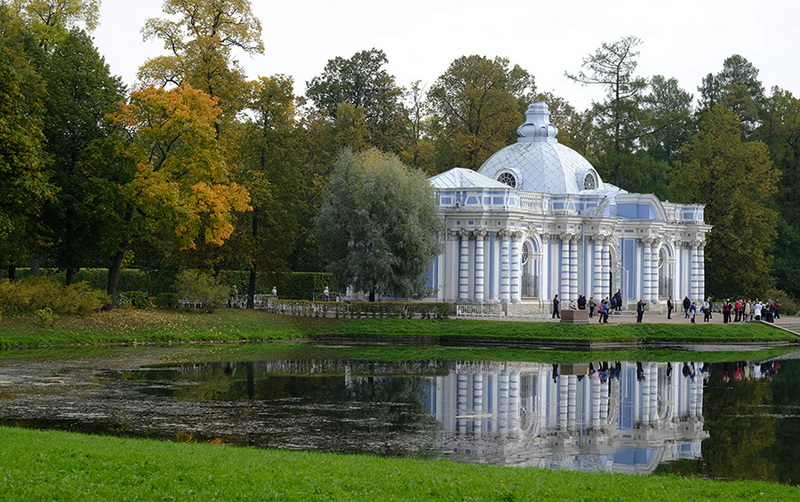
(732, 420)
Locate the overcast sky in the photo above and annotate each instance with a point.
(685, 39)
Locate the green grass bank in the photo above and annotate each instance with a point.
(228, 325)
(51, 465)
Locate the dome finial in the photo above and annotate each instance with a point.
(537, 126)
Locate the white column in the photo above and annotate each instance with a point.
(647, 269)
(544, 275)
(461, 403)
(516, 296)
(502, 404)
(505, 267)
(573, 267)
(694, 273)
(480, 235)
(606, 283)
(463, 267)
(701, 261)
(566, 240)
(597, 269)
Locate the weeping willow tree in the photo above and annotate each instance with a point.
(378, 224)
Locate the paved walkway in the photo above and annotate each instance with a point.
(790, 323)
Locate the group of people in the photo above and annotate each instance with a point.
(741, 310)
(605, 306)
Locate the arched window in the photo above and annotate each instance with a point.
(507, 179)
(589, 182)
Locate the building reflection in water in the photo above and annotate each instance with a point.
(617, 416)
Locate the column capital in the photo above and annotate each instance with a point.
(464, 233)
(517, 235)
(480, 234)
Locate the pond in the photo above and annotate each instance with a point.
(730, 420)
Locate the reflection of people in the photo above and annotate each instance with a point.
(555, 307)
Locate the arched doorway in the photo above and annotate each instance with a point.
(665, 275)
(531, 266)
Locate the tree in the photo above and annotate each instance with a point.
(23, 160)
(737, 87)
(362, 82)
(733, 178)
(612, 66)
(180, 191)
(80, 92)
(378, 224)
(51, 20)
(669, 117)
(479, 103)
(201, 42)
(265, 236)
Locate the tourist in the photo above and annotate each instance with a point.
(747, 310)
(692, 311)
(581, 302)
(601, 309)
(669, 308)
(737, 310)
(757, 307)
(710, 307)
(572, 305)
(706, 309)
(556, 312)
(592, 306)
(726, 311)
(777, 305)
(618, 299)
(686, 304)
(326, 294)
(639, 310)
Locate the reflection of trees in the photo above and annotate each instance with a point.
(786, 400)
(398, 400)
(732, 407)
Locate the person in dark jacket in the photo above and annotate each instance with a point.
(686, 304)
(556, 312)
(639, 310)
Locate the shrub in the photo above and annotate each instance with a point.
(304, 285)
(46, 317)
(138, 299)
(30, 295)
(201, 288)
(167, 301)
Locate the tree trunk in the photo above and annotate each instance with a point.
(251, 288)
(113, 275)
(70, 276)
(372, 295)
(34, 266)
(12, 272)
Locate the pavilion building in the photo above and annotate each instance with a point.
(536, 220)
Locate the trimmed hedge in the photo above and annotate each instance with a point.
(307, 308)
(304, 285)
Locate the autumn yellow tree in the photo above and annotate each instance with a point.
(202, 37)
(51, 20)
(180, 190)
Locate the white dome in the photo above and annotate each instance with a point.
(539, 163)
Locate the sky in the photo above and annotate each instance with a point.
(682, 39)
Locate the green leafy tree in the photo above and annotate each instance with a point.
(378, 224)
(80, 92)
(201, 37)
(737, 87)
(620, 116)
(733, 178)
(265, 236)
(51, 20)
(23, 180)
(669, 117)
(478, 104)
(363, 82)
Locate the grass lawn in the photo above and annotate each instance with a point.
(50, 465)
(225, 325)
